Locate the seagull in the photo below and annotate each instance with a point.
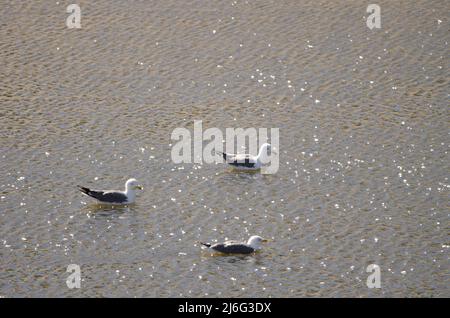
(112, 196)
(246, 161)
(234, 247)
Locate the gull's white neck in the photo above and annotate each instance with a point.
(262, 152)
(130, 193)
(254, 244)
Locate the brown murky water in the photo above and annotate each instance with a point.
(364, 131)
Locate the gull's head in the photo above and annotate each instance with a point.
(255, 241)
(265, 147)
(132, 184)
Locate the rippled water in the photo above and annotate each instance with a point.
(364, 130)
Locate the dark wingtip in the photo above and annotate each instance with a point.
(205, 244)
(83, 189)
(223, 154)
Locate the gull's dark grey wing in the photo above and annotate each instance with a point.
(232, 248)
(105, 196)
(246, 163)
(240, 160)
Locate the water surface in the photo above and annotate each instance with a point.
(363, 117)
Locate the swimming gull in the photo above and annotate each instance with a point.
(233, 247)
(112, 196)
(246, 161)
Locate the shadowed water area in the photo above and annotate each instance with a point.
(364, 130)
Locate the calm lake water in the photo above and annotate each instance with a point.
(364, 137)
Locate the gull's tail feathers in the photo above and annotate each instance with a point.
(223, 154)
(84, 190)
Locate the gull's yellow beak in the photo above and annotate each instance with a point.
(139, 187)
(265, 240)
